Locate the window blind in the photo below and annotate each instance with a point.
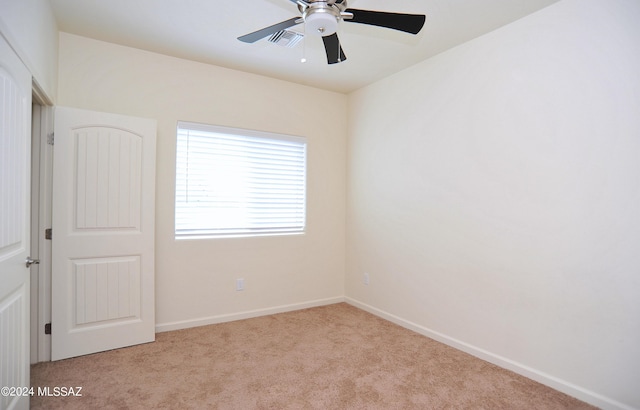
(232, 182)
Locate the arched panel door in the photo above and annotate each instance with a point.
(103, 232)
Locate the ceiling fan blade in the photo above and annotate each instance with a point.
(333, 49)
(267, 31)
(409, 23)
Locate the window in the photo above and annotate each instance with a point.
(232, 182)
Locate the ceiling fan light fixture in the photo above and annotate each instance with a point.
(320, 21)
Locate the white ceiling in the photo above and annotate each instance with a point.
(207, 31)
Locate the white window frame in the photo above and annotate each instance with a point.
(234, 182)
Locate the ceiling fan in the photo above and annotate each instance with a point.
(321, 18)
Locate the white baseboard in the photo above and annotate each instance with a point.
(578, 392)
(211, 320)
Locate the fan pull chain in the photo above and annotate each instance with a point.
(304, 46)
(339, 33)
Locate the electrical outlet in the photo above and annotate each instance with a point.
(366, 279)
(239, 284)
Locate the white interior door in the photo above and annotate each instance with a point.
(15, 163)
(103, 232)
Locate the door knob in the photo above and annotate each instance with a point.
(30, 261)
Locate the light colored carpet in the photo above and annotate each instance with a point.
(330, 357)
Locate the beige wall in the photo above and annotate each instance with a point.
(30, 27)
(195, 279)
(494, 197)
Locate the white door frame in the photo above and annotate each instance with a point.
(41, 193)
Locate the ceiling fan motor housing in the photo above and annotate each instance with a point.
(321, 19)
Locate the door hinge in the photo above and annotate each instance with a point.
(47, 329)
(50, 138)
(48, 233)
